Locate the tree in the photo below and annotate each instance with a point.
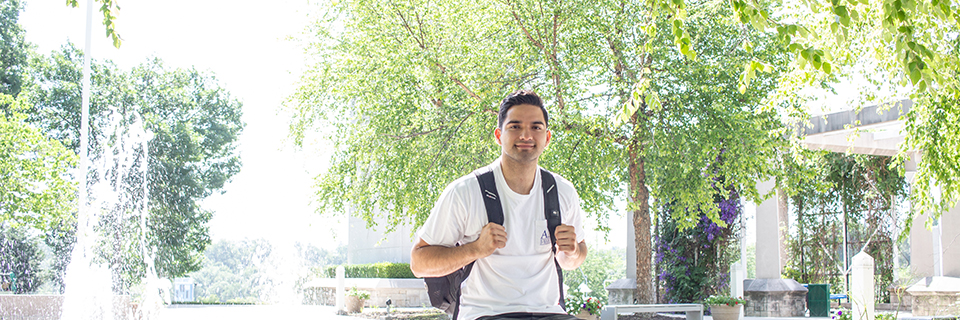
(231, 271)
(410, 90)
(195, 124)
(36, 191)
(20, 255)
(848, 196)
(13, 48)
(901, 48)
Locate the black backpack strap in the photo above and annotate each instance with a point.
(491, 199)
(551, 211)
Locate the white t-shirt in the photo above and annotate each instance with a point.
(520, 277)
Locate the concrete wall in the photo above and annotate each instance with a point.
(372, 246)
(49, 307)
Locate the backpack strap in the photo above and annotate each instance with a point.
(551, 211)
(491, 200)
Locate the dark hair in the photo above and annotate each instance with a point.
(521, 97)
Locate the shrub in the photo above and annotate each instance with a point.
(723, 300)
(373, 270)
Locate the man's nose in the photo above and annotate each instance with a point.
(526, 134)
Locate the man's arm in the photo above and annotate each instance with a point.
(570, 254)
(437, 261)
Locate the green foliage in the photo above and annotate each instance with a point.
(723, 300)
(901, 48)
(195, 124)
(407, 92)
(244, 271)
(373, 270)
(231, 271)
(360, 294)
(601, 267)
(110, 9)
(35, 189)
(693, 263)
(20, 254)
(13, 49)
(860, 190)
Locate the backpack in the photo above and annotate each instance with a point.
(444, 292)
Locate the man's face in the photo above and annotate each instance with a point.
(524, 134)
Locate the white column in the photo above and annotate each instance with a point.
(937, 250)
(861, 287)
(768, 234)
(737, 274)
(341, 291)
(950, 242)
(631, 248)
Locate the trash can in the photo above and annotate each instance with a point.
(818, 300)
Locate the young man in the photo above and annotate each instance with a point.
(514, 276)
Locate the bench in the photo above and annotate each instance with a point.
(838, 297)
(694, 310)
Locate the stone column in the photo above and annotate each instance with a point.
(769, 295)
(861, 286)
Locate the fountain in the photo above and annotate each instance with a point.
(117, 195)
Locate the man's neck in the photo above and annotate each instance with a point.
(518, 175)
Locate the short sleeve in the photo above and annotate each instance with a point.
(570, 207)
(446, 224)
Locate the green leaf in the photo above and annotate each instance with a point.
(915, 74)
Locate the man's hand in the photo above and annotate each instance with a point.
(492, 237)
(567, 240)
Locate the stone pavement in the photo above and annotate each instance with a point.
(252, 312)
(309, 312)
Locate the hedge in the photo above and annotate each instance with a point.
(373, 270)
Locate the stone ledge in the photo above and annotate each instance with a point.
(401, 292)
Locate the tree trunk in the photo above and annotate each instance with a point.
(639, 196)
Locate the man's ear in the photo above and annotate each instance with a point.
(549, 133)
(496, 135)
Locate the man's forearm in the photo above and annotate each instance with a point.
(569, 262)
(438, 261)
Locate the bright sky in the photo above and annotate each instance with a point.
(245, 44)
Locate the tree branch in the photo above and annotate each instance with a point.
(417, 134)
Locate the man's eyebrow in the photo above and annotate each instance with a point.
(534, 122)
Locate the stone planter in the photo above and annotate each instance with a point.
(354, 304)
(725, 312)
(587, 316)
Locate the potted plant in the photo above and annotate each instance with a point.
(724, 307)
(583, 307)
(355, 300)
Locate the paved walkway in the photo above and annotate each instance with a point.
(298, 312)
(254, 312)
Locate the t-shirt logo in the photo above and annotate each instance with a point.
(544, 239)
